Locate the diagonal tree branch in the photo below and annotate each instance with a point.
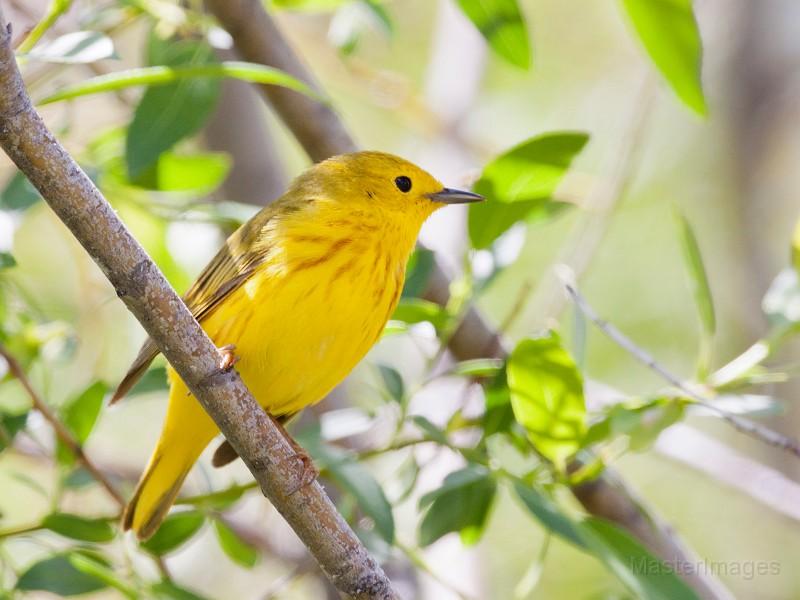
(745, 426)
(143, 289)
(322, 134)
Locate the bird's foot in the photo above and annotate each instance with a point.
(308, 473)
(227, 358)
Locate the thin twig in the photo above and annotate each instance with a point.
(60, 429)
(759, 432)
(34, 527)
(55, 9)
(20, 530)
(399, 445)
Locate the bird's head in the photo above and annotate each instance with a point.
(380, 181)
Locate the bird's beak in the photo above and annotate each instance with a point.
(449, 196)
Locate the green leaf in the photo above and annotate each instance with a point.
(643, 423)
(418, 271)
(645, 575)
(668, 30)
(163, 75)
(663, 413)
(199, 173)
(531, 170)
(498, 416)
(235, 547)
(479, 367)
(176, 529)
(154, 380)
(81, 413)
(75, 48)
(88, 565)
(7, 260)
(550, 514)
(355, 479)
(455, 481)
(547, 396)
(161, 118)
(431, 431)
(78, 478)
(519, 185)
(393, 382)
(59, 576)
(10, 425)
(218, 500)
(19, 193)
(79, 528)
(697, 271)
(487, 221)
(168, 590)
(462, 504)
(416, 310)
(501, 23)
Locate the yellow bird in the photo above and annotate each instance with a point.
(300, 292)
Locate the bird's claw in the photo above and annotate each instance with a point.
(309, 472)
(227, 358)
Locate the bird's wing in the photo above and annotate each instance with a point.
(228, 270)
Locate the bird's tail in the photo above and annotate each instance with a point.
(187, 431)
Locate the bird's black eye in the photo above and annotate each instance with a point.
(403, 183)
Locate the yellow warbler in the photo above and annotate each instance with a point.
(300, 293)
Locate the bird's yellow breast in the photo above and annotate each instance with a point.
(313, 309)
